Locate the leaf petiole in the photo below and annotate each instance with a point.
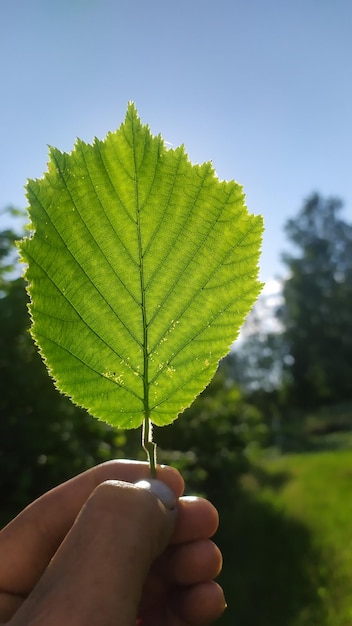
(149, 445)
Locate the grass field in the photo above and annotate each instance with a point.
(287, 540)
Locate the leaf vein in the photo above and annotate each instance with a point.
(199, 332)
(204, 283)
(35, 261)
(80, 266)
(88, 365)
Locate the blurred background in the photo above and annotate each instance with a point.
(263, 89)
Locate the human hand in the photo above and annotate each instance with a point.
(106, 553)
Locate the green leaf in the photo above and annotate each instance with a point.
(141, 269)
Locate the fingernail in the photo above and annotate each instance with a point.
(160, 490)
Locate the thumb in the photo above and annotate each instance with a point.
(98, 573)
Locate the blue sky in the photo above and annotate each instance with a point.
(260, 87)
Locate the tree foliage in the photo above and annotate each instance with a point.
(318, 304)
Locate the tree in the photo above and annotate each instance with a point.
(257, 359)
(317, 304)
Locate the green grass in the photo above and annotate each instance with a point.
(287, 540)
(318, 494)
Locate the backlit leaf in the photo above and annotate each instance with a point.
(141, 269)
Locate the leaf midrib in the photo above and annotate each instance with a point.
(142, 283)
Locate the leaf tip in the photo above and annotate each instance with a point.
(132, 111)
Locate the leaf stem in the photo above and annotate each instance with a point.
(149, 445)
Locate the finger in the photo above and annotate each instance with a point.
(28, 543)
(160, 490)
(197, 519)
(100, 568)
(8, 606)
(191, 563)
(199, 605)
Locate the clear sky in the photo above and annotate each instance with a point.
(261, 87)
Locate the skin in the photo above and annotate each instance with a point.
(98, 550)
